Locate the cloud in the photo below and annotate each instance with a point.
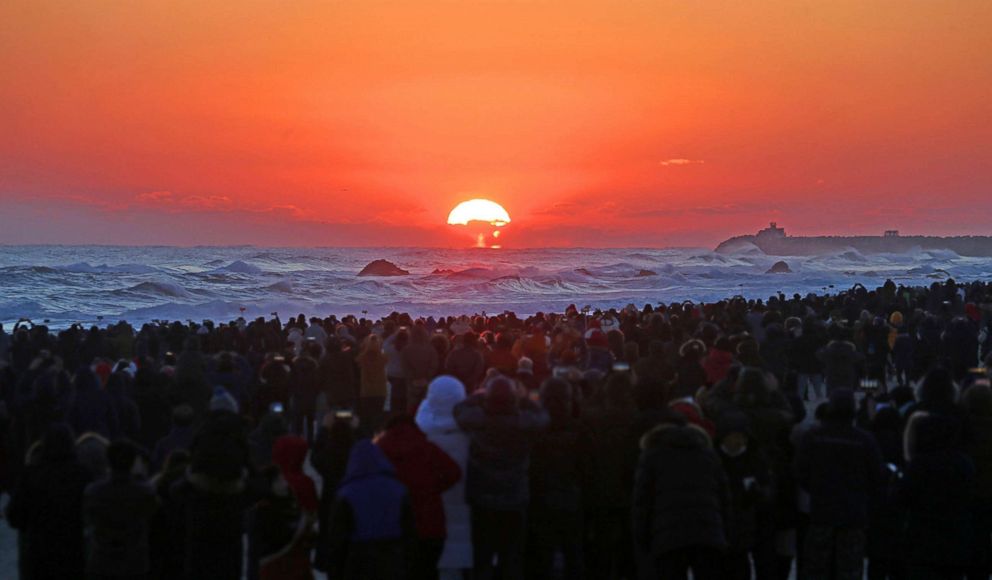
(677, 162)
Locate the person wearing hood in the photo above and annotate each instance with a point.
(436, 419)
(117, 511)
(559, 479)
(718, 361)
(427, 472)
(46, 508)
(279, 533)
(751, 528)
(289, 559)
(501, 429)
(681, 501)
(840, 467)
(372, 523)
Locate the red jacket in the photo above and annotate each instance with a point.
(288, 453)
(425, 470)
(717, 364)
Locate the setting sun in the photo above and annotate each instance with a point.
(478, 210)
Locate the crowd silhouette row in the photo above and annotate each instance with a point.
(833, 436)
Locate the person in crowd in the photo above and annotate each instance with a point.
(46, 508)
(937, 490)
(977, 403)
(280, 533)
(179, 437)
(840, 466)
(373, 388)
(613, 460)
(501, 428)
(214, 494)
(422, 365)
(393, 344)
(435, 417)
(117, 513)
(841, 360)
(330, 455)
(304, 386)
(465, 362)
(681, 501)
(92, 408)
(751, 526)
(427, 472)
(559, 478)
(372, 523)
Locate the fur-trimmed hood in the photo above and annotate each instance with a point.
(676, 437)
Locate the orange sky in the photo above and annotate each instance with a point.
(362, 122)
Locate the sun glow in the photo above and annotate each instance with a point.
(478, 210)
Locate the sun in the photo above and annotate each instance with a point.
(478, 210)
(479, 217)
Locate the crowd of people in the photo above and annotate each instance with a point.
(835, 435)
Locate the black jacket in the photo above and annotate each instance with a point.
(681, 497)
(841, 468)
(47, 508)
(117, 512)
(499, 452)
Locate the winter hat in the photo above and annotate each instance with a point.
(436, 412)
(525, 366)
(223, 401)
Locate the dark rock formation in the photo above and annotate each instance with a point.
(382, 268)
(646, 273)
(779, 268)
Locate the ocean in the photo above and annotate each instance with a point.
(102, 284)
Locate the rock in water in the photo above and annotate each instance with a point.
(382, 268)
(779, 268)
(646, 273)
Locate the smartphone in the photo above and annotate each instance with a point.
(869, 385)
(621, 367)
(343, 414)
(276, 408)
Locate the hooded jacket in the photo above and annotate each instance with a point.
(371, 521)
(436, 419)
(425, 470)
(681, 496)
(289, 453)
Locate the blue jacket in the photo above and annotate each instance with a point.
(373, 493)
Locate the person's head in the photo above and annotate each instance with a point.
(525, 367)
(123, 457)
(501, 397)
(841, 407)
(977, 400)
(937, 389)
